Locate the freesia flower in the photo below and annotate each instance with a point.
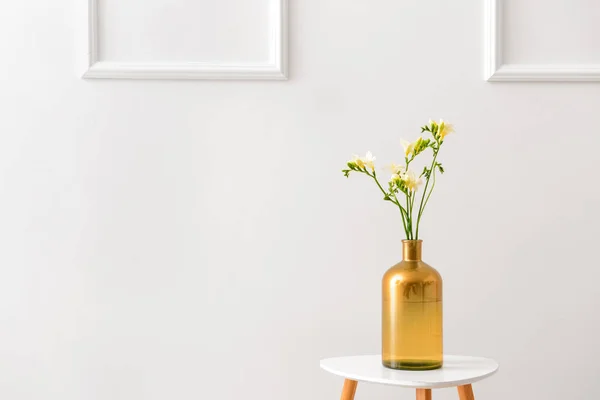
(362, 162)
(413, 148)
(445, 129)
(408, 147)
(356, 160)
(396, 168)
(411, 181)
(369, 160)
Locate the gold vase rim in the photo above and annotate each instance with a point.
(412, 240)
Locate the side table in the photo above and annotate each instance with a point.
(459, 371)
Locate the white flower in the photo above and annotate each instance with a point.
(408, 147)
(445, 129)
(396, 168)
(361, 162)
(369, 160)
(411, 181)
(357, 161)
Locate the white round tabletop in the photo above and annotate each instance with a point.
(456, 371)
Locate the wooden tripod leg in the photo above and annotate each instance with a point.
(349, 389)
(465, 392)
(423, 394)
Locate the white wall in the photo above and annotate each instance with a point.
(197, 240)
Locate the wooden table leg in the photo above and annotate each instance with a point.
(423, 394)
(349, 389)
(465, 392)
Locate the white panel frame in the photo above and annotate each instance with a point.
(495, 70)
(275, 69)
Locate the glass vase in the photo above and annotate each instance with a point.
(412, 313)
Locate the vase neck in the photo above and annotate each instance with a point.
(411, 250)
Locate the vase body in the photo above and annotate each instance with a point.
(412, 313)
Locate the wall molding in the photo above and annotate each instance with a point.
(496, 71)
(275, 69)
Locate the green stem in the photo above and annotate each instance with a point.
(404, 218)
(423, 199)
(430, 191)
(409, 217)
(408, 204)
(412, 204)
(402, 210)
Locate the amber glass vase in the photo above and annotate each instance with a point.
(412, 313)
